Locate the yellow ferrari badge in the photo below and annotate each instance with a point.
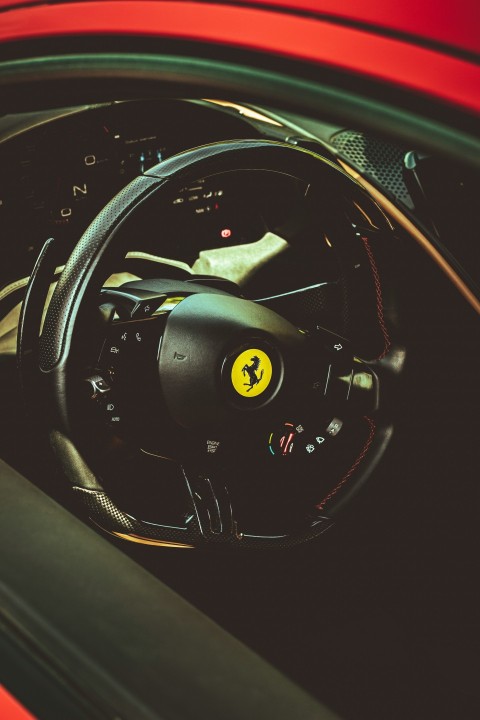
(251, 372)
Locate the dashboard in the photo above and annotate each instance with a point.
(59, 168)
(58, 174)
(266, 232)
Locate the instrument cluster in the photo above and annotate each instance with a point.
(57, 175)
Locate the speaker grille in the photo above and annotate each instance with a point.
(379, 160)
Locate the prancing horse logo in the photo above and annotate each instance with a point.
(254, 365)
(251, 371)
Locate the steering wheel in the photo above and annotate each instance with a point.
(272, 417)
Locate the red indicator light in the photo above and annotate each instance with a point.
(226, 233)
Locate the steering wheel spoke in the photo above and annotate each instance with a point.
(125, 376)
(305, 306)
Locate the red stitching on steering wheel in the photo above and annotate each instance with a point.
(379, 298)
(354, 467)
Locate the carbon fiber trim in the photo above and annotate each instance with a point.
(104, 513)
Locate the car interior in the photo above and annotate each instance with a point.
(238, 352)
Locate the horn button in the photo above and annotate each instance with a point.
(222, 357)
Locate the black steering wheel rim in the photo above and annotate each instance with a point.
(78, 289)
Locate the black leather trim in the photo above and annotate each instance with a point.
(114, 634)
(72, 463)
